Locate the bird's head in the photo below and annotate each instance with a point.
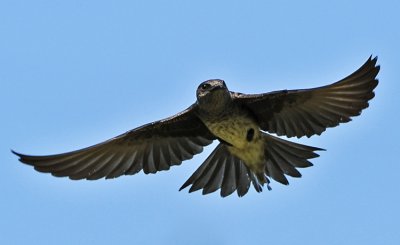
(213, 94)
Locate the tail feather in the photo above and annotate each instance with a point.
(283, 157)
(222, 170)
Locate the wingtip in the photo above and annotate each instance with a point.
(15, 153)
(376, 67)
(19, 155)
(373, 59)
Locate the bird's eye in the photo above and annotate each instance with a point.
(205, 86)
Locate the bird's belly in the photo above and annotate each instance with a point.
(236, 134)
(236, 131)
(252, 154)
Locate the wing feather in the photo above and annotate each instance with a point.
(153, 147)
(307, 112)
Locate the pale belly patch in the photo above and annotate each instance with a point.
(244, 136)
(235, 131)
(252, 154)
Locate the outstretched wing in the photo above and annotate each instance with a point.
(152, 147)
(311, 111)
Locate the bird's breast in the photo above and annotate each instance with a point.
(239, 131)
(242, 133)
(244, 137)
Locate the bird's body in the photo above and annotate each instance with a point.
(246, 155)
(239, 131)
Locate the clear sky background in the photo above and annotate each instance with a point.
(74, 73)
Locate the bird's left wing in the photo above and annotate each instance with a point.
(152, 147)
(310, 111)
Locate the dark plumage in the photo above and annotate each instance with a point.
(246, 154)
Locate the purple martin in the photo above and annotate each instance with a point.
(247, 153)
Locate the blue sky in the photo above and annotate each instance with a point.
(74, 73)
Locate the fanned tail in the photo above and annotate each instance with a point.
(222, 170)
(283, 157)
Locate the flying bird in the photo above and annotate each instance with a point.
(247, 153)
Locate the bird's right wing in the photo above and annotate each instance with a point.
(152, 147)
(310, 111)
